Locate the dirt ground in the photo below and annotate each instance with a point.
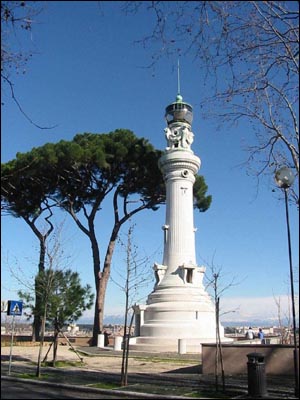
(100, 362)
(109, 361)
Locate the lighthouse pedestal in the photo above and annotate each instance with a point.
(177, 312)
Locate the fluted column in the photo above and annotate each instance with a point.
(179, 169)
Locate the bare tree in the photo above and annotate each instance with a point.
(248, 53)
(213, 281)
(51, 253)
(17, 17)
(17, 21)
(138, 275)
(285, 334)
(284, 316)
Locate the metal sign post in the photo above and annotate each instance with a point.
(13, 308)
(11, 343)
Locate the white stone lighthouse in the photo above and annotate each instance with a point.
(178, 312)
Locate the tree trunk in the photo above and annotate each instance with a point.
(220, 344)
(125, 341)
(38, 369)
(127, 352)
(55, 343)
(101, 279)
(101, 285)
(37, 321)
(99, 301)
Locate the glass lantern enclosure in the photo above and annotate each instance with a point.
(179, 112)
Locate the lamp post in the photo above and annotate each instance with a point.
(284, 179)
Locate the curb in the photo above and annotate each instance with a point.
(87, 389)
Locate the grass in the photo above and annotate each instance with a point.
(143, 388)
(141, 358)
(62, 364)
(33, 376)
(165, 360)
(104, 385)
(6, 343)
(169, 389)
(210, 394)
(176, 391)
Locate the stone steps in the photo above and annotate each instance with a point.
(161, 344)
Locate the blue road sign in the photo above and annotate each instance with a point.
(14, 307)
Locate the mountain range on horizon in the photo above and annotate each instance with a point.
(119, 320)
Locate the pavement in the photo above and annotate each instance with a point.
(171, 375)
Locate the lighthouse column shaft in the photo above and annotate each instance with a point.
(179, 169)
(179, 246)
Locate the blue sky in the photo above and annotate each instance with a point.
(88, 75)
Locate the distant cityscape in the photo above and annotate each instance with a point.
(114, 326)
(267, 322)
(119, 320)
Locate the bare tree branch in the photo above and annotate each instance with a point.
(248, 54)
(20, 107)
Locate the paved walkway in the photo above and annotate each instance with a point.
(173, 372)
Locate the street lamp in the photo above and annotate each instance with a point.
(284, 179)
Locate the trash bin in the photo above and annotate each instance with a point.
(257, 386)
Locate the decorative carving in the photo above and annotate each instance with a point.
(179, 137)
(187, 272)
(187, 137)
(165, 229)
(192, 273)
(160, 271)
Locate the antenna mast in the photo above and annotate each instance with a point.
(178, 77)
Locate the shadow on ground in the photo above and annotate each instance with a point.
(15, 358)
(194, 369)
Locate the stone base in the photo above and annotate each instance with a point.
(172, 345)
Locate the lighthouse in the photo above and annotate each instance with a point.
(178, 310)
